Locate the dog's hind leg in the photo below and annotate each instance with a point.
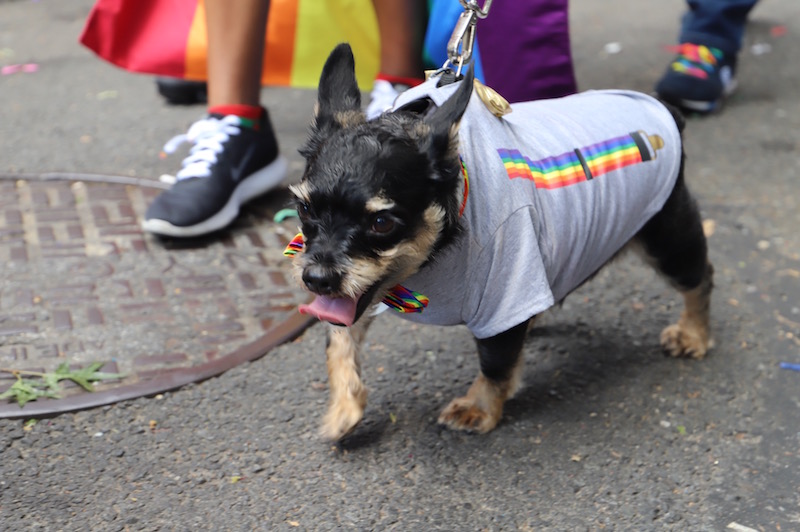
(348, 395)
(673, 241)
(499, 379)
(691, 335)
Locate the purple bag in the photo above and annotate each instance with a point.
(523, 46)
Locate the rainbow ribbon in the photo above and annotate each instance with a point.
(466, 187)
(404, 300)
(399, 298)
(295, 246)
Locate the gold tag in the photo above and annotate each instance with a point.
(496, 104)
(656, 141)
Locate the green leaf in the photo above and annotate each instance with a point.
(84, 377)
(46, 385)
(8, 394)
(26, 390)
(51, 380)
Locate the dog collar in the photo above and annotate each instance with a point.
(398, 298)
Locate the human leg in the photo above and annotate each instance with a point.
(401, 25)
(235, 50)
(716, 23)
(234, 156)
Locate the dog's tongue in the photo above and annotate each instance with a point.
(338, 310)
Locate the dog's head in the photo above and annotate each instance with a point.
(378, 199)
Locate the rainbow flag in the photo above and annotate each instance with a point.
(169, 38)
(581, 164)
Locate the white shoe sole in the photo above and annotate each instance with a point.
(253, 186)
(706, 107)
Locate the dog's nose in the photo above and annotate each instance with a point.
(321, 280)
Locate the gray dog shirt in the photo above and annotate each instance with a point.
(555, 189)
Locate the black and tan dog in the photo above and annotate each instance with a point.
(472, 216)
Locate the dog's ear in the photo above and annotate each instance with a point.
(338, 99)
(443, 122)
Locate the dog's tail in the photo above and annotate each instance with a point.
(677, 115)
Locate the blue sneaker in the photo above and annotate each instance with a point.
(698, 79)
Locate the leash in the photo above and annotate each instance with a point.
(462, 40)
(459, 53)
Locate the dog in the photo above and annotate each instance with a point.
(448, 212)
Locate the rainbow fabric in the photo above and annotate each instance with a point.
(168, 38)
(404, 300)
(578, 165)
(466, 187)
(696, 60)
(295, 245)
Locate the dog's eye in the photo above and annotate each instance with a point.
(303, 210)
(382, 224)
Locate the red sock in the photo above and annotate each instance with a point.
(411, 82)
(250, 114)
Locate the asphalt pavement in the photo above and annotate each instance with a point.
(607, 432)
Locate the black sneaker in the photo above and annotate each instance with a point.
(228, 165)
(182, 91)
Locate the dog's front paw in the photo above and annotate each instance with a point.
(343, 416)
(465, 414)
(678, 340)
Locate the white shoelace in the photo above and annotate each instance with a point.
(207, 135)
(381, 98)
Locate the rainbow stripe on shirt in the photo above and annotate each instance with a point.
(581, 164)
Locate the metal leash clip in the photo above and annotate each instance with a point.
(462, 40)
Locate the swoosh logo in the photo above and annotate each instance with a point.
(238, 171)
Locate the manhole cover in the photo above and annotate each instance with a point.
(82, 284)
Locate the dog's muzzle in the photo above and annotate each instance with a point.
(324, 283)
